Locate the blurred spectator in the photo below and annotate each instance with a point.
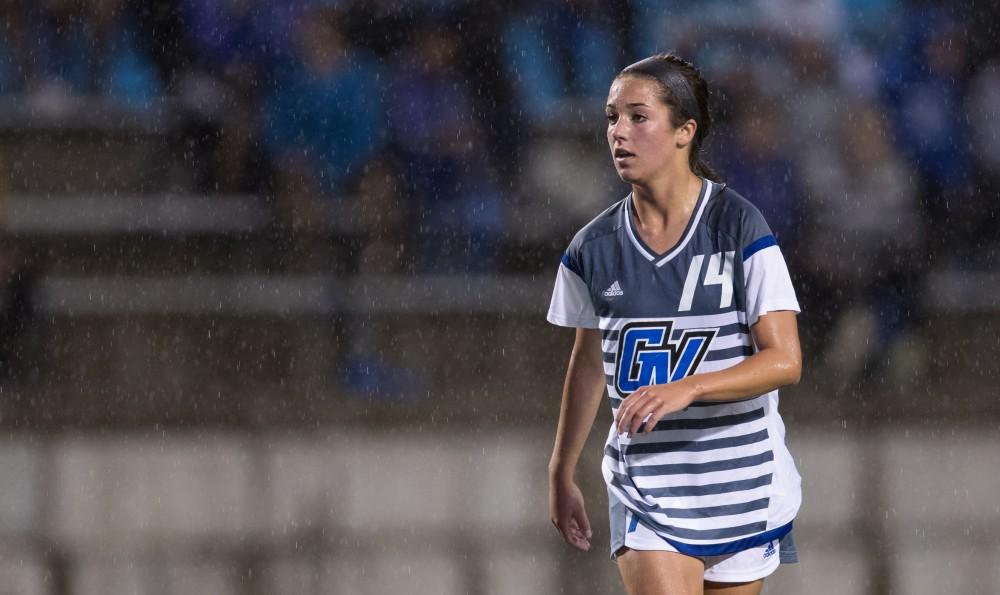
(367, 369)
(873, 23)
(382, 218)
(864, 241)
(504, 129)
(322, 120)
(15, 63)
(90, 48)
(757, 165)
(559, 50)
(240, 38)
(427, 100)
(981, 107)
(675, 26)
(456, 213)
(819, 20)
(381, 27)
(931, 128)
(443, 205)
(813, 99)
(163, 37)
(234, 47)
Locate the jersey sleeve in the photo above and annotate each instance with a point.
(571, 304)
(768, 284)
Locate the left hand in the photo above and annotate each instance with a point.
(654, 401)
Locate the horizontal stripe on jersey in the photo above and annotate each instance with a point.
(701, 468)
(692, 445)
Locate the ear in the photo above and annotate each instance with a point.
(685, 133)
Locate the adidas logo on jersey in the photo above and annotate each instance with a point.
(614, 291)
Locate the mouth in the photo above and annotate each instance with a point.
(622, 154)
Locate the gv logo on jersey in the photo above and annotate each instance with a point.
(646, 355)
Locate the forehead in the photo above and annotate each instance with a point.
(633, 89)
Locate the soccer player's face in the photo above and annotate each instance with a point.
(640, 135)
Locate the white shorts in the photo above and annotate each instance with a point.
(745, 566)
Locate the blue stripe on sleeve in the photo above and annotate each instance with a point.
(758, 245)
(569, 265)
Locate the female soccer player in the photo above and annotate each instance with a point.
(685, 313)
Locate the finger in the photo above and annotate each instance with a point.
(621, 411)
(576, 530)
(584, 523)
(563, 533)
(659, 413)
(626, 423)
(577, 538)
(662, 410)
(641, 415)
(626, 404)
(568, 527)
(627, 410)
(651, 421)
(651, 418)
(641, 419)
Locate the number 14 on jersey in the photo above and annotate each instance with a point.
(719, 272)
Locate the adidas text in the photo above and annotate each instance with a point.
(614, 290)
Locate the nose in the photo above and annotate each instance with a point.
(618, 130)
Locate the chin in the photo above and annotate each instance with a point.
(628, 176)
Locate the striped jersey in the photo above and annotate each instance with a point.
(716, 477)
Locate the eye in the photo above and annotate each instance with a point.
(639, 118)
(612, 118)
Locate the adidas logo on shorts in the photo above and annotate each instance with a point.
(769, 550)
(614, 291)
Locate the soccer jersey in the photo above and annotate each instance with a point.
(716, 477)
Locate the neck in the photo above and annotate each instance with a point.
(668, 198)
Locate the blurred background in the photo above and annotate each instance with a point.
(273, 278)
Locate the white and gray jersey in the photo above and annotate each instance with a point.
(716, 477)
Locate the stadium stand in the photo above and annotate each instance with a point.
(230, 381)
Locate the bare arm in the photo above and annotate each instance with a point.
(582, 395)
(777, 363)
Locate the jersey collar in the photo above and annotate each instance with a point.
(646, 251)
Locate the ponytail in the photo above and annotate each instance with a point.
(701, 168)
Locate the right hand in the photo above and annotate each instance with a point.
(568, 514)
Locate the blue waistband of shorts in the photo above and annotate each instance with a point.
(720, 549)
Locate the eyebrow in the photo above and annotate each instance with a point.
(638, 104)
